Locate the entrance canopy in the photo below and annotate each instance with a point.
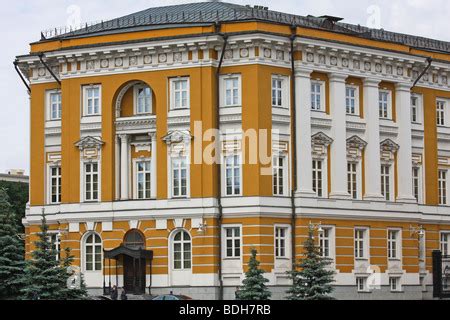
(125, 251)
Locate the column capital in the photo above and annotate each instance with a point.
(124, 137)
(337, 77)
(371, 82)
(303, 73)
(152, 135)
(402, 86)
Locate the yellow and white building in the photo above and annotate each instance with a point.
(120, 119)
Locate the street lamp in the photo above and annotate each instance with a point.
(418, 231)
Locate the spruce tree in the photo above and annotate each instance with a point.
(11, 250)
(254, 284)
(44, 278)
(311, 278)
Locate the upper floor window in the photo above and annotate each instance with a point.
(393, 244)
(55, 185)
(442, 187)
(351, 100)
(91, 181)
(445, 243)
(279, 92)
(232, 91)
(440, 113)
(179, 177)
(233, 242)
(92, 100)
(416, 109)
(416, 183)
(386, 184)
(182, 255)
(317, 96)
(93, 253)
(280, 242)
(385, 104)
(318, 176)
(279, 171)
(143, 99)
(360, 243)
(233, 175)
(55, 105)
(143, 182)
(180, 94)
(352, 179)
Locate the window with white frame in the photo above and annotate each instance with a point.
(233, 174)
(317, 96)
(91, 181)
(55, 240)
(384, 101)
(440, 112)
(415, 109)
(361, 284)
(231, 91)
(233, 242)
(361, 243)
(182, 251)
(352, 180)
(93, 253)
(55, 105)
(180, 94)
(179, 177)
(442, 187)
(279, 171)
(92, 100)
(143, 99)
(325, 243)
(394, 283)
(445, 243)
(351, 100)
(55, 185)
(318, 176)
(416, 184)
(279, 92)
(280, 242)
(143, 179)
(393, 244)
(386, 184)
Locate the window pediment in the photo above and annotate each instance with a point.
(355, 147)
(320, 143)
(89, 143)
(176, 137)
(388, 150)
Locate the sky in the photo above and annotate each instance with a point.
(21, 22)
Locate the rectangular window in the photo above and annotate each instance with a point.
(442, 187)
(350, 100)
(324, 243)
(280, 242)
(386, 182)
(277, 92)
(414, 109)
(352, 179)
(445, 244)
(278, 175)
(92, 101)
(55, 106)
(179, 177)
(361, 284)
(440, 113)
(233, 175)
(55, 240)
(143, 100)
(233, 242)
(316, 96)
(317, 174)
(91, 181)
(232, 91)
(393, 244)
(180, 94)
(143, 179)
(360, 243)
(416, 183)
(55, 185)
(384, 104)
(394, 284)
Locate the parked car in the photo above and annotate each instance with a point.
(172, 297)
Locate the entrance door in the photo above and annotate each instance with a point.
(134, 275)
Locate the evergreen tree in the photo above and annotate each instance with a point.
(254, 283)
(11, 250)
(311, 278)
(44, 278)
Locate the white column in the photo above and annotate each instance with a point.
(372, 155)
(338, 149)
(303, 132)
(404, 155)
(153, 166)
(124, 168)
(117, 168)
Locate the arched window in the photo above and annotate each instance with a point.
(182, 251)
(93, 253)
(134, 240)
